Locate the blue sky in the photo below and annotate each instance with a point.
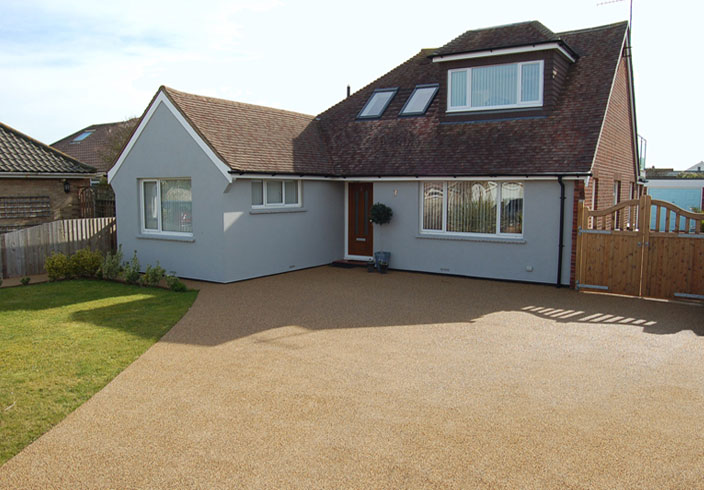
(67, 64)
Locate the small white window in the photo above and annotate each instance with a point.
(420, 100)
(377, 103)
(166, 206)
(510, 85)
(276, 193)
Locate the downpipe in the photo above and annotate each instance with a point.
(561, 239)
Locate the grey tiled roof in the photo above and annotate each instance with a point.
(23, 154)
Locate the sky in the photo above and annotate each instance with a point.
(65, 65)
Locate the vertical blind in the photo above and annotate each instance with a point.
(473, 207)
(494, 85)
(176, 206)
(510, 84)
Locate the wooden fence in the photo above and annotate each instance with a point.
(23, 252)
(622, 250)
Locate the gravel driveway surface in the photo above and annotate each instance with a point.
(332, 378)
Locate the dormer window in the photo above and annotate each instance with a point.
(377, 103)
(420, 100)
(506, 86)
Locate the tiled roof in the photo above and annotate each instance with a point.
(98, 148)
(251, 138)
(562, 141)
(20, 153)
(521, 34)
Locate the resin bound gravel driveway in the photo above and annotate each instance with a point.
(339, 378)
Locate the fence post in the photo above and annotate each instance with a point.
(645, 210)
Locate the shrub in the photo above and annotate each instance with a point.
(58, 266)
(25, 280)
(152, 275)
(85, 263)
(131, 270)
(175, 283)
(380, 213)
(112, 265)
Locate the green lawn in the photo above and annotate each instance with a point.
(61, 342)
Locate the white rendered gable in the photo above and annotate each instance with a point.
(162, 99)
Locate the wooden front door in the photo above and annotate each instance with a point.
(360, 230)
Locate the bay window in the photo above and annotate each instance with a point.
(472, 207)
(510, 85)
(166, 206)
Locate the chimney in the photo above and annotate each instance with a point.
(348, 91)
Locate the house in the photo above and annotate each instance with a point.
(482, 148)
(683, 188)
(97, 145)
(38, 183)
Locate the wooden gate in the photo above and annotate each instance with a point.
(629, 249)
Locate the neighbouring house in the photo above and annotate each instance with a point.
(38, 183)
(482, 148)
(97, 145)
(682, 188)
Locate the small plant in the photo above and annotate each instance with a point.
(58, 266)
(152, 275)
(25, 280)
(131, 270)
(112, 265)
(380, 214)
(174, 283)
(85, 263)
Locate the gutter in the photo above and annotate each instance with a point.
(31, 175)
(381, 178)
(561, 240)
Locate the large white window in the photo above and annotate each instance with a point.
(166, 206)
(472, 208)
(495, 87)
(276, 193)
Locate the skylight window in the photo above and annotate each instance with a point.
(377, 103)
(82, 136)
(420, 100)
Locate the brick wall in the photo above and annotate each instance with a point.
(578, 196)
(615, 155)
(63, 205)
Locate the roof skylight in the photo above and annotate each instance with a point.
(420, 100)
(82, 136)
(377, 103)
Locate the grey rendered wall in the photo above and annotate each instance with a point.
(479, 258)
(260, 243)
(165, 149)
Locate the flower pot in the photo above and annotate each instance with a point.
(370, 266)
(383, 268)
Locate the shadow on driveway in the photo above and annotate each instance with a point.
(330, 298)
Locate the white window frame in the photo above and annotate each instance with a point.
(283, 194)
(444, 232)
(468, 106)
(159, 231)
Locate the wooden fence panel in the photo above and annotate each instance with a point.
(23, 252)
(618, 252)
(676, 266)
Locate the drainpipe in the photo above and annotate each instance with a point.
(562, 231)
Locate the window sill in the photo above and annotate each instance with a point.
(169, 238)
(488, 239)
(277, 210)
